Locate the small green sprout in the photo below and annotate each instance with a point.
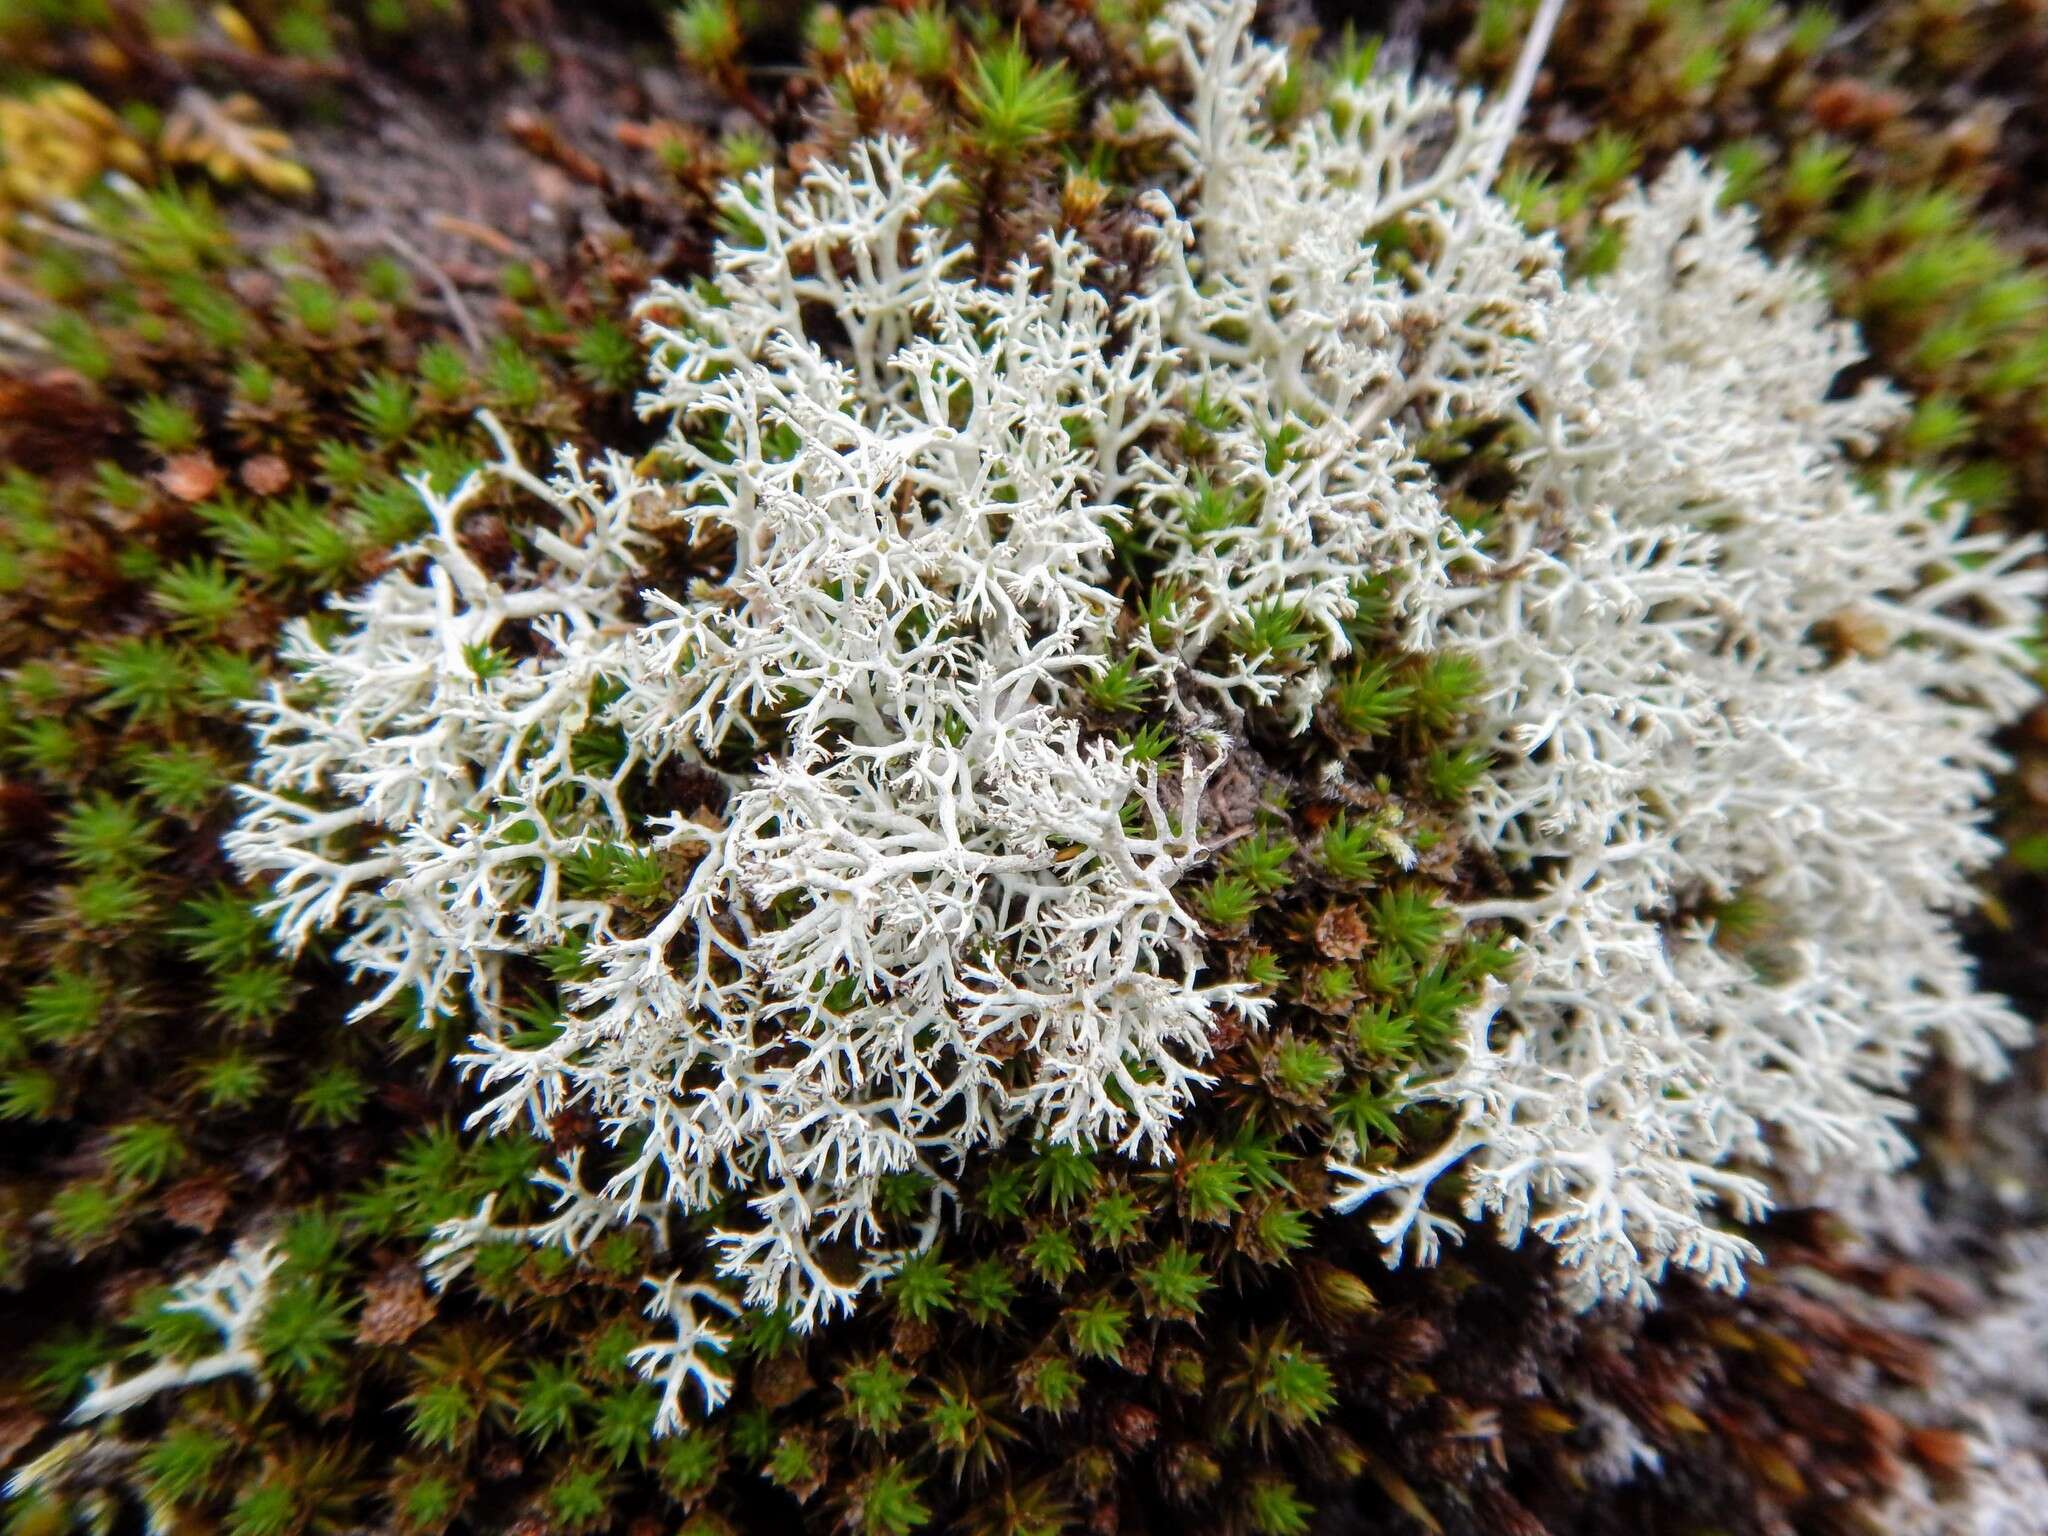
(29, 1093)
(1938, 423)
(63, 1008)
(64, 1360)
(222, 930)
(252, 996)
(1742, 165)
(343, 467)
(147, 679)
(1272, 629)
(167, 426)
(550, 1403)
(986, 1291)
(268, 1508)
(303, 1328)
(1212, 1187)
(1262, 860)
(606, 356)
(1215, 510)
(222, 678)
(1367, 702)
(1349, 849)
(1158, 610)
(1151, 742)
(1227, 902)
(1014, 105)
(1275, 1509)
(1295, 1386)
(1114, 1219)
(486, 664)
(1604, 161)
(1117, 689)
(1262, 968)
(77, 345)
(103, 834)
(143, 1153)
(1451, 776)
(383, 406)
(1302, 1069)
(86, 1213)
(1442, 690)
(793, 1464)
(311, 305)
(1062, 1174)
(443, 373)
(1409, 919)
(1052, 1255)
(706, 33)
(1098, 1328)
(1173, 1284)
(201, 597)
(1051, 1384)
(1367, 1114)
(429, 1502)
(876, 1395)
(580, 1498)
(902, 1196)
(513, 379)
(889, 1505)
(233, 1080)
(184, 1462)
(48, 746)
(442, 1414)
(1282, 1228)
(923, 1286)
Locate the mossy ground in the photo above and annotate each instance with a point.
(213, 394)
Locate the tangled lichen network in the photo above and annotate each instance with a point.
(933, 912)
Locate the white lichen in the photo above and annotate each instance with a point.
(933, 914)
(230, 1298)
(1723, 671)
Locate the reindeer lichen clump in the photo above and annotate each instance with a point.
(928, 879)
(926, 906)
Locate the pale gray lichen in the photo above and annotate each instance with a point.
(933, 914)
